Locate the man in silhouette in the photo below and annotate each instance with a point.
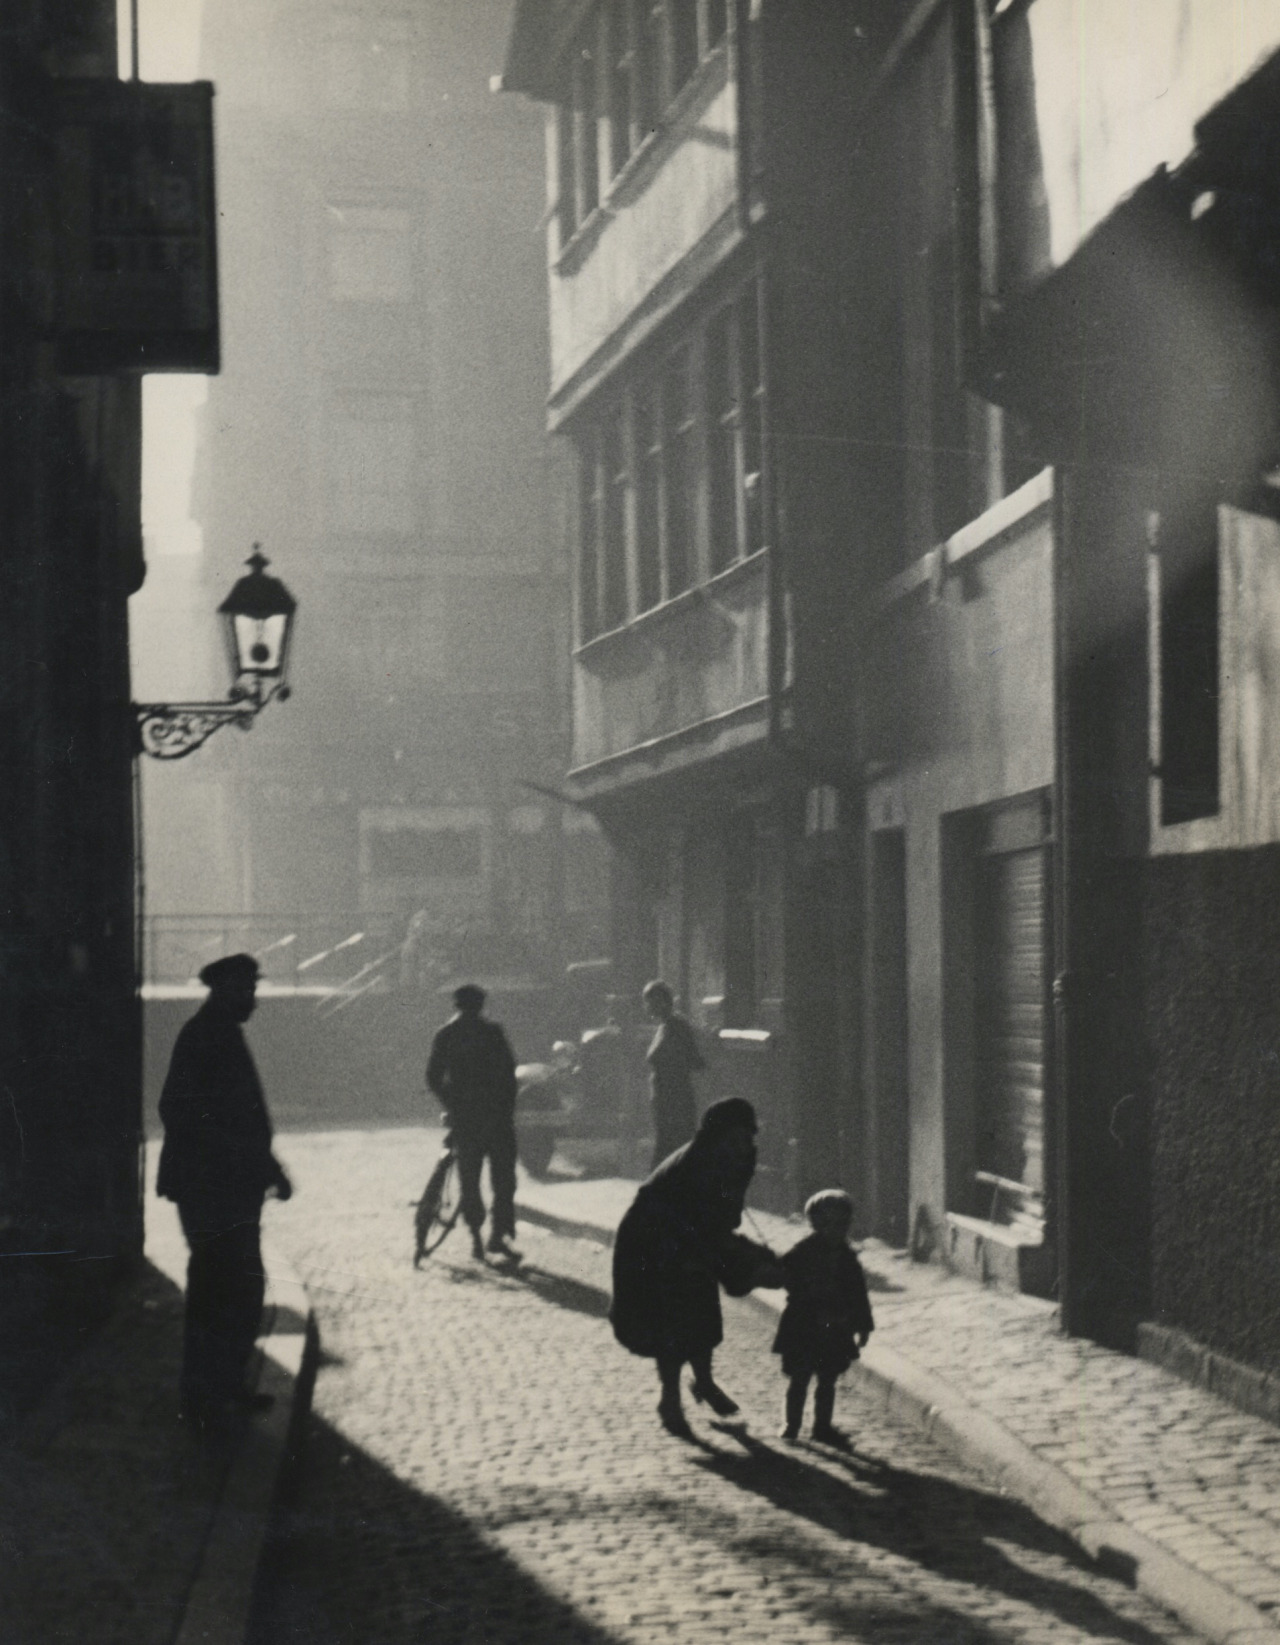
(472, 1072)
(217, 1165)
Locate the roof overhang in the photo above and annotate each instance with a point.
(540, 30)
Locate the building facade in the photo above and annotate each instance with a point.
(69, 497)
(925, 411)
(698, 318)
(378, 427)
(1067, 698)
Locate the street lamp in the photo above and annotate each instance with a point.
(257, 619)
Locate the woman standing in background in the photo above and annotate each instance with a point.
(673, 1059)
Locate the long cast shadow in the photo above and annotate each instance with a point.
(359, 1555)
(369, 1560)
(557, 1289)
(563, 1292)
(927, 1519)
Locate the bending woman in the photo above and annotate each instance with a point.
(676, 1246)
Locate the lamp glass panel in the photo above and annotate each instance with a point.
(259, 643)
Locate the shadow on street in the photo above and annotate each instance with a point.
(950, 1529)
(397, 1567)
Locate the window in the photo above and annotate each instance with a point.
(586, 160)
(589, 543)
(671, 472)
(948, 432)
(735, 408)
(751, 413)
(1189, 674)
(613, 562)
(648, 497)
(722, 440)
(627, 60)
(680, 444)
(623, 112)
(651, 34)
(566, 171)
(369, 255)
(373, 462)
(683, 16)
(577, 132)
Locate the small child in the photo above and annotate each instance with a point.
(828, 1315)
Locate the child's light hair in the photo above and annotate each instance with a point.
(829, 1200)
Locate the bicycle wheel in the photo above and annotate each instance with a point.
(438, 1209)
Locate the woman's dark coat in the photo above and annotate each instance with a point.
(676, 1246)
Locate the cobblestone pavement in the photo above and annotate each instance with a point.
(484, 1464)
(1195, 1475)
(1179, 1465)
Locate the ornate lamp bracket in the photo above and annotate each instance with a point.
(168, 731)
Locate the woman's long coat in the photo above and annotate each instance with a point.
(675, 1247)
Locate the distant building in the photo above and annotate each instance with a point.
(378, 426)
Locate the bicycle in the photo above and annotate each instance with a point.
(439, 1208)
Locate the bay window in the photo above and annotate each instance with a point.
(671, 470)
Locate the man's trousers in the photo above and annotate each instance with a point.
(492, 1137)
(225, 1290)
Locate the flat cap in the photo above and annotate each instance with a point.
(231, 968)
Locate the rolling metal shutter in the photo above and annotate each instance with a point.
(1012, 1022)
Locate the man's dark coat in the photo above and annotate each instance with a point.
(472, 1071)
(216, 1161)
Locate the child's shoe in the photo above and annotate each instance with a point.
(790, 1432)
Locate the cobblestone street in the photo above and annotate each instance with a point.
(484, 1464)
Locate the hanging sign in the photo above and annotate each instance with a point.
(137, 245)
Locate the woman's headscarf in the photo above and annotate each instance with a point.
(728, 1114)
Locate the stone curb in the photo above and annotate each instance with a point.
(218, 1604)
(918, 1396)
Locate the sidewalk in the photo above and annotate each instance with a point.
(1161, 1481)
(115, 1524)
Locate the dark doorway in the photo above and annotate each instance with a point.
(889, 1116)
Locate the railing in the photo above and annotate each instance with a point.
(302, 950)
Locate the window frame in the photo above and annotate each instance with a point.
(623, 51)
(647, 503)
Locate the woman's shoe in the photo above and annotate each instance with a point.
(673, 1419)
(710, 1393)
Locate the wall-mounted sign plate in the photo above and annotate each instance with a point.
(137, 243)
